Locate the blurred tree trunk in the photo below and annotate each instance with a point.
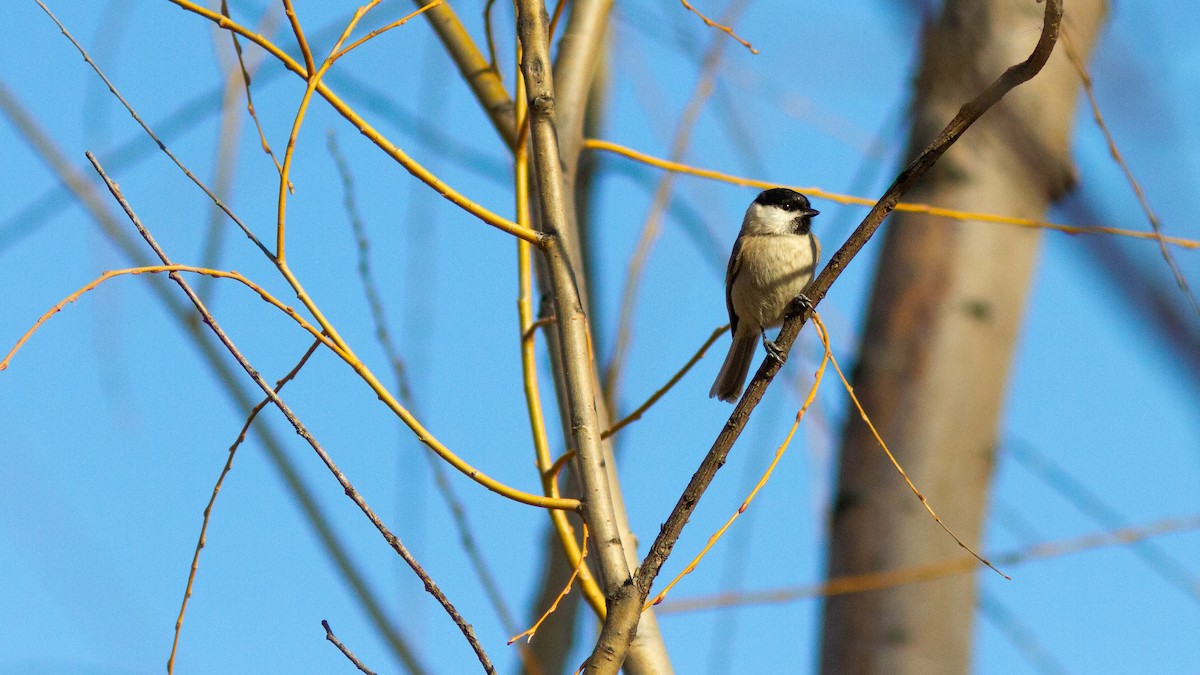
(944, 316)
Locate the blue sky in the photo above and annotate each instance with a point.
(112, 430)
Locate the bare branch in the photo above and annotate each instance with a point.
(343, 649)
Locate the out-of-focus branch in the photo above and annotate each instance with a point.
(480, 76)
(861, 583)
(652, 227)
(579, 52)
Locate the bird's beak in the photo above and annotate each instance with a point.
(812, 212)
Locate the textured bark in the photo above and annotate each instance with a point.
(944, 316)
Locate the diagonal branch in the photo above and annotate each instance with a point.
(969, 113)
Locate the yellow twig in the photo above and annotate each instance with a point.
(528, 635)
(300, 39)
(413, 167)
(157, 269)
(812, 395)
(606, 146)
(558, 465)
(641, 410)
(531, 330)
(878, 439)
(314, 79)
(930, 571)
(713, 24)
(379, 31)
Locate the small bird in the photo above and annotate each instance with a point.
(773, 261)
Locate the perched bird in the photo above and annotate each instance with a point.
(773, 261)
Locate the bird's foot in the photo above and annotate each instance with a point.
(773, 350)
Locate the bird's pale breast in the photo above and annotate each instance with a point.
(773, 270)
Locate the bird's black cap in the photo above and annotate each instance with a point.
(786, 199)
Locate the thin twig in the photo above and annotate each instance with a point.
(972, 111)
(344, 649)
(787, 441)
(1151, 217)
(202, 541)
(911, 207)
(301, 430)
(713, 24)
(262, 137)
(337, 54)
(491, 39)
(580, 565)
(137, 118)
(641, 410)
(172, 270)
(300, 39)
(904, 474)
(861, 583)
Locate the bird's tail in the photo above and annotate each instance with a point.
(732, 377)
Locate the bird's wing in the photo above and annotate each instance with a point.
(731, 273)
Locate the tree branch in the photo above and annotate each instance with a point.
(575, 354)
(972, 111)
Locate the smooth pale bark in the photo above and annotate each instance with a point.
(945, 312)
(579, 59)
(614, 552)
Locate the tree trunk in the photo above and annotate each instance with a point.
(942, 324)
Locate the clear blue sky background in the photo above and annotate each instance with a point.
(112, 431)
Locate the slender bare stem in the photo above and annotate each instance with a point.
(203, 540)
(344, 649)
